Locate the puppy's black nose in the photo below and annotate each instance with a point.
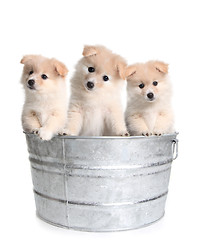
(31, 82)
(150, 95)
(90, 85)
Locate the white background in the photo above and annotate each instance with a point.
(139, 31)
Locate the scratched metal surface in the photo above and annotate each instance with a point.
(101, 183)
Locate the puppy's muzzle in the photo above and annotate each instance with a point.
(90, 85)
(31, 83)
(150, 96)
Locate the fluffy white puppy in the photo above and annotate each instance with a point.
(95, 107)
(45, 109)
(149, 110)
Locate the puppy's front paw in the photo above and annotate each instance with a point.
(158, 132)
(45, 134)
(146, 134)
(35, 131)
(125, 134)
(65, 132)
(62, 133)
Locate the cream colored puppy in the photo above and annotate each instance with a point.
(44, 110)
(95, 107)
(149, 109)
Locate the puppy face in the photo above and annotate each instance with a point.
(100, 69)
(42, 74)
(147, 82)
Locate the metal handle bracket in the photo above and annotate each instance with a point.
(175, 148)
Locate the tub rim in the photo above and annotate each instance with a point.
(170, 135)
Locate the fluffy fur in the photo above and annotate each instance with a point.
(149, 109)
(98, 110)
(45, 109)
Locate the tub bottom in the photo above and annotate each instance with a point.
(89, 230)
(100, 218)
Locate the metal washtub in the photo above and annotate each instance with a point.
(101, 183)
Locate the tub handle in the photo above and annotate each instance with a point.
(175, 149)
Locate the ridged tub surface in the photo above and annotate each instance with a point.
(101, 183)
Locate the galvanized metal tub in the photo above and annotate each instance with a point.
(101, 183)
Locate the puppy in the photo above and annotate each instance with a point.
(44, 110)
(95, 107)
(149, 109)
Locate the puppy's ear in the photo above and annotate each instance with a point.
(89, 51)
(26, 59)
(130, 71)
(60, 68)
(121, 68)
(161, 67)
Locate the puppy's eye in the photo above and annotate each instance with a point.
(91, 69)
(155, 83)
(105, 78)
(31, 72)
(43, 76)
(141, 85)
